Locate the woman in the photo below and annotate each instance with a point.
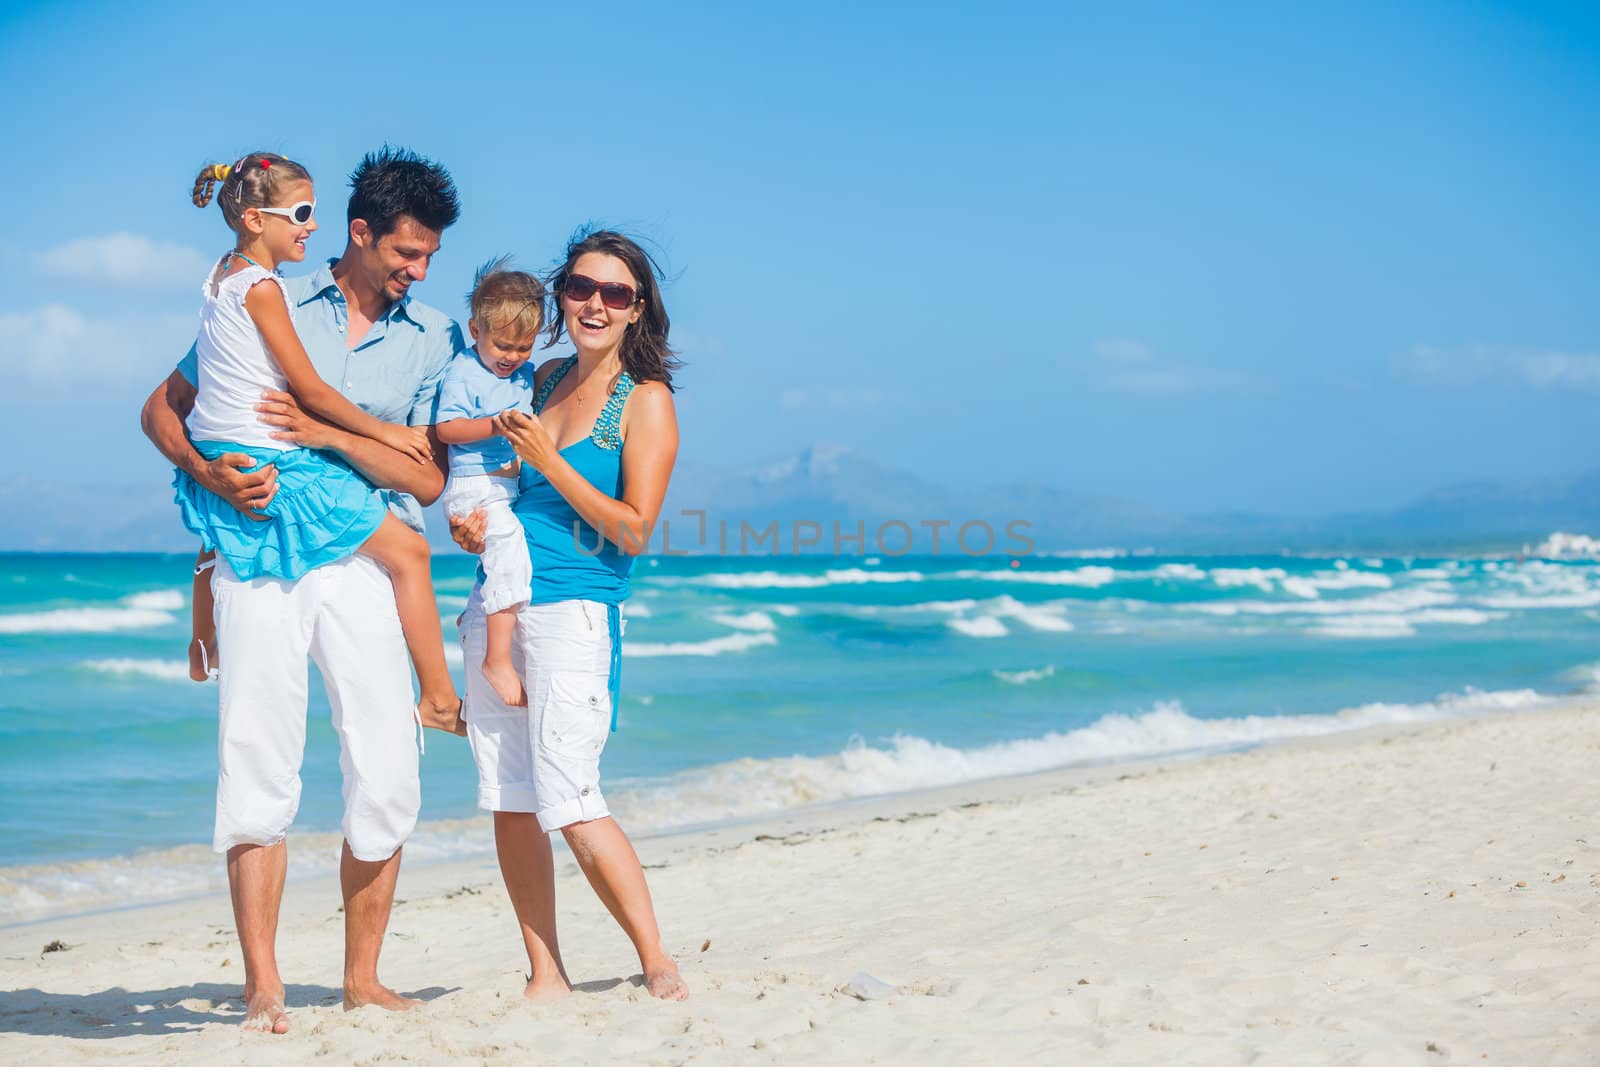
(596, 457)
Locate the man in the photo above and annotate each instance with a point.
(387, 353)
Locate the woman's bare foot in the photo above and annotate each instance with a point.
(442, 715)
(263, 1012)
(663, 980)
(377, 996)
(552, 987)
(502, 678)
(202, 659)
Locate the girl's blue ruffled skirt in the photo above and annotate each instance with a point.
(323, 512)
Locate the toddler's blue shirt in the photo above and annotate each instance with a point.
(472, 391)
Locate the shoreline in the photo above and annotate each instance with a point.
(1349, 898)
(1084, 772)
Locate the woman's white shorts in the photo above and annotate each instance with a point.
(544, 758)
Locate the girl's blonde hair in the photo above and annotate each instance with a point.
(506, 299)
(253, 181)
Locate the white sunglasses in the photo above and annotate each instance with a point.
(299, 214)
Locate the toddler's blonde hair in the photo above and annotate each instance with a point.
(506, 299)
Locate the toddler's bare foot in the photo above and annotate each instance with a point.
(442, 713)
(502, 678)
(202, 659)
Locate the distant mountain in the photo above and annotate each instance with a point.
(829, 498)
(121, 514)
(828, 490)
(1476, 512)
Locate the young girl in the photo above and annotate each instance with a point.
(322, 511)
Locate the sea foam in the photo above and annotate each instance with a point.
(749, 787)
(1049, 617)
(84, 620)
(1561, 545)
(758, 621)
(1397, 600)
(1024, 677)
(715, 646)
(746, 788)
(1381, 625)
(157, 600)
(1084, 577)
(780, 580)
(982, 626)
(166, 670)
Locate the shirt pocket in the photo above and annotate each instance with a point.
(577, 713)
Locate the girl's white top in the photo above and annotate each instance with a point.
(234, 365)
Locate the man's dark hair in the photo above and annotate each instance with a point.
(396, 181)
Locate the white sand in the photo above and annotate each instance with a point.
(1423, 896)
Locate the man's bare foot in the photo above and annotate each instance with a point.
(202, 659)
(443, 714)
(552, 987)
(377, 996)
(664, 981)
(502, 678)
(264, 1012)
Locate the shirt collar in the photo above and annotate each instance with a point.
(322, 281)
(402, 309)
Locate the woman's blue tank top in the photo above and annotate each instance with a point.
(570, 559)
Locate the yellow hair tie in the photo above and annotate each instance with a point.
(220, 171)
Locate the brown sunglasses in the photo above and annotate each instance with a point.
(614, 295)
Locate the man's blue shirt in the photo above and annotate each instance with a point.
(393, 374)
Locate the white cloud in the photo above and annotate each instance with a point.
(56, 345)
(1131, 366)
(1154, 380)
(127, 259)
(1472, 364)
(1549, 369)
(1122, 350)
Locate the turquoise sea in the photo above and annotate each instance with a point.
(756, 684)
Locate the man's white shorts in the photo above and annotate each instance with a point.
(507, 571)
(343, 616)
(544, 758)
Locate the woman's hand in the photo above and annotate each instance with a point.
(529, 437)
(468, 530)
(409, 441)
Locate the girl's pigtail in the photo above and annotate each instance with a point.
(209, 176)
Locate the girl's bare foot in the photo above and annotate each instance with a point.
(549, 988)
(442, 714)
(263, 1012)
(202, 659)
(663, 980)
(502, 678)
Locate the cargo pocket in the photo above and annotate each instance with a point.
(577, 713)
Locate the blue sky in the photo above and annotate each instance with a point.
(1285, 258)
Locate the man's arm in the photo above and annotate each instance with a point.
(268, 309)
(162, 420)
(377, 462)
